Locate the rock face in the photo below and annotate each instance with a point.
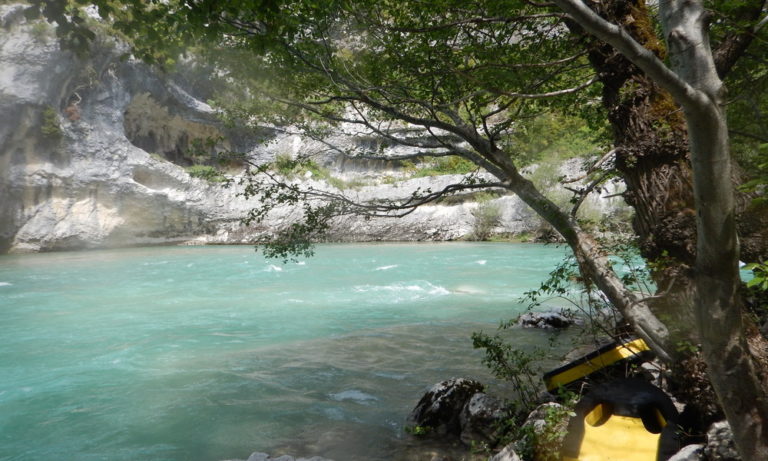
(458, 409)
(93, 150)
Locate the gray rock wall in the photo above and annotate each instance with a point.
(85, 146)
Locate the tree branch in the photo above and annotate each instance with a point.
(642, 57)
(735, 44)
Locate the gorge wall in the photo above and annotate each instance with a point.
(93, 150)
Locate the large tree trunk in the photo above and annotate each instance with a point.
(717, 304)
(593, 261)
(652, 158)
(695, 84)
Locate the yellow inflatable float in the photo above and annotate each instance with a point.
(623, 420)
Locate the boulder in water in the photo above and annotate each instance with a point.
(546, 320)
(439, 410)
(480, 419)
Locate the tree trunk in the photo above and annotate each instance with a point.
(718, 308)
(695, 84)
(652, 158)
(593, 260)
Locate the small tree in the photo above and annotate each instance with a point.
(486, 216)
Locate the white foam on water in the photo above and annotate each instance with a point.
(354, 395)
(482, 262)
(5, 284)
(386, 268)
(396, 376)
(423, 288)
(273, 268)
(154, 263)
(467, 289)
(301, 263)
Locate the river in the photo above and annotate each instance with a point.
(210, 353)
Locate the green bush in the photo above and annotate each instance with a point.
(206, 172)
(487, 216)
(40, 31)
(452, 164)
(290, 168)
(50, 124)
(285, 165)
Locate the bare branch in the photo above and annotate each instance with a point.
(736, 43)
(554, 63)
(756, 137)
(583, 193)
(551, 94)
(594, 167)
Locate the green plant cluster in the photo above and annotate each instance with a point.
(758, 184)
(452, 164)
(486, 216)
(759, 275)
(291, 168)
(418, 431)
(554, 137)
(50, 123)
(205, 172)
(544, 443)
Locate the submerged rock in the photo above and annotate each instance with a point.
(260, 456)
(439, 410)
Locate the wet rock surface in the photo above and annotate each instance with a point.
(720, 445)
(439, 410)
(480, 419)
(547, 320)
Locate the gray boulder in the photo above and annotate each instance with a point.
(440, 408)
(689, 453)
(480, 419)
(720, 445)
(546, 320)
(549, 424)
(506, 454)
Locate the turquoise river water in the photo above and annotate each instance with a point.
(210, 353)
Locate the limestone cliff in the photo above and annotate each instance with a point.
(92, 154)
